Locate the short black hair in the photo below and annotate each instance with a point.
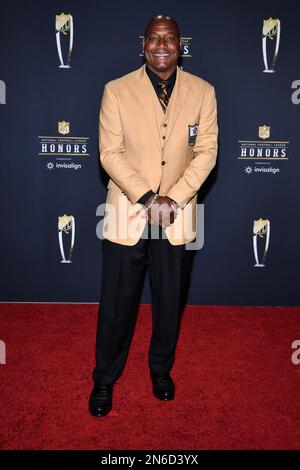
(162, 17)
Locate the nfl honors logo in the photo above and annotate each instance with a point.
(63, 146)
(263, 150)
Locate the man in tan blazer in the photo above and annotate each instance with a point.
(158, 143)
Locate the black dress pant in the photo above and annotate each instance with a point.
(122, 281)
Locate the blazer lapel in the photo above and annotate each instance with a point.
(146, 97)
(176, 102)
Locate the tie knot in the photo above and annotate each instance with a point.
(163, 84)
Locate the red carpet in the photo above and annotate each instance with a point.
(236, 385)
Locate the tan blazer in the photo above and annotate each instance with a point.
(141, 148)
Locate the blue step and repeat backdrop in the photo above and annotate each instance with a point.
(55, 58)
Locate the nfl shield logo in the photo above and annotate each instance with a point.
(63, 127)
(264, 132)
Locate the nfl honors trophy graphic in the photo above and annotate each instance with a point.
(64, 27)
(271, 30)
(66, 225)
(261, 231)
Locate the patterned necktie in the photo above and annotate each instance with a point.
(163, 95)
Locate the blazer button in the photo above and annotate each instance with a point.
(163, 136)
(163, 162)
(165, 124)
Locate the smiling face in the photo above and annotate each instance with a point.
(162, 47)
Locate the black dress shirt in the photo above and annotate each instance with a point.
(155, 79)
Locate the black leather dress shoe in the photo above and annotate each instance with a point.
(163, 385)
(100, 402)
